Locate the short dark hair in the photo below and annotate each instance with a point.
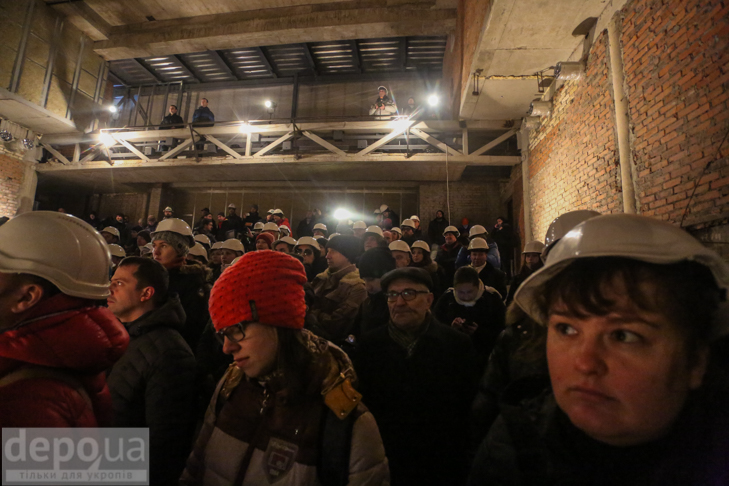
(146, 235)
(49, 289)
(173, 106)
(150, 273)
(205, 99)
(466, 275)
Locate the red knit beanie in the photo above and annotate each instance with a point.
(267, 283)
(268, 237)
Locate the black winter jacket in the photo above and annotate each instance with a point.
(420, 402)
(488, 313)
(153, 385)
(493, 277)
(190, 282)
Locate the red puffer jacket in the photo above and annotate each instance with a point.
(69, 335)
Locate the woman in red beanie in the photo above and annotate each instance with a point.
(264, 241)
(285, 411)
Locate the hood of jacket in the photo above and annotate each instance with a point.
(170, 314)
(65, 332)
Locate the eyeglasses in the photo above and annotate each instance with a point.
(234, 333)
(304, 252)
(407, 294)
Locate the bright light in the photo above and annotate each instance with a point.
(433, 100)
(245, 128)
(342, 214)
(268, 104)
(113, 109)
(106, 139)
(401, 123)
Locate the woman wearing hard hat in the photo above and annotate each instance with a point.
(634, 310)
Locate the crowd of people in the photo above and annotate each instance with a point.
(373, 352)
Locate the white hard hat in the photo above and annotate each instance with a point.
(320, 226)
(233, 244)
(421, 244)
(383, 208)
(270, 227)
(199, 250)
(360, 225)
(284, 228)
(117, 251)
(148, 248)
(628, 236)
(396, 230)
(377, 211)
(278, 212)
(167, 209)
(478, 244)
(111, 230)
(535, 246)
(477, 230)
(564, 223)
(217, 246)
(286, 239)
(176, 225)
(333, 235)
(202, 239)
(270, 211)
(451, 229)
(258, 226)
(414, 217)
(60, 248)
(408, 223)
(374, 229)
(231, 206)
(399, 245)
(308, 240)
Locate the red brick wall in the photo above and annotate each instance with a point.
(677, 69)
(676, 57)
(11, 178)
(573, 158)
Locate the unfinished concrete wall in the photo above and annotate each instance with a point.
(675, 56)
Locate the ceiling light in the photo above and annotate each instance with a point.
(106, 139)
(6, 136)
(113, 109)
(433, 100)
(342, 214)
(269, 104)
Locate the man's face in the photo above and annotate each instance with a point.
(382, 93)
(253, 209)
(372, 285)
(466, 292)
(227, 256)
(478, 258)
(168, 214)
(173, 110)
(622, 378)
(388, 236)
(370, 242)
(409, 315)
(203, 102)
(407, 231)
(221, 218)
(335, 260)
(256, 353)
(108, 237)
(499, 222)
(439, 214)
(125, 300)
(231, 211)
(282, 247)
(450, 238)
(402, 259)
(411, 102)
(277, 218)
(164, 253)
(359, 232)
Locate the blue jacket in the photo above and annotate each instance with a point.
(493, 257)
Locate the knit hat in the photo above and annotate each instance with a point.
(175, 240)
(376, 262)
(268, 237)
(349, 246)
(263, 286)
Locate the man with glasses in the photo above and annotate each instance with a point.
(419, 379)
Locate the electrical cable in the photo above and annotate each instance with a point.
(698, 180)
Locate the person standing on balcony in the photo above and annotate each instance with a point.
(383, 106)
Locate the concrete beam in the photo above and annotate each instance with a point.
(85, 18)
(274, 26)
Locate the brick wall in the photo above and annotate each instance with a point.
(676, 78)
(11, 178)
(480, 202)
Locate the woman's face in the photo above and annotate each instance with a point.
(256, 353)
(164, 253)
(307, 253)
(262, 245)
(418, 255)
(622, 378)
(466, 292)
(215, 257)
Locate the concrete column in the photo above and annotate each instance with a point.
(155, 199)
(26, 195)
(523, 138)
(621, 116)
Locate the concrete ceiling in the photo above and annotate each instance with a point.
(126, 29)
(21, 111)
(521, 38)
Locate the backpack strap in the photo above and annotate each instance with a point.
(43, 372)
(336, 434)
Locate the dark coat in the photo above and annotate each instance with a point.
(190, 282)
(435, 231)
(203, 114)
(420, 402)
(534, 442)
(374, 313)
(153, 385)
(171, 119)
(446, 258)
(493, 277)
(517, 281)
(304, 228)
(488, 313)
